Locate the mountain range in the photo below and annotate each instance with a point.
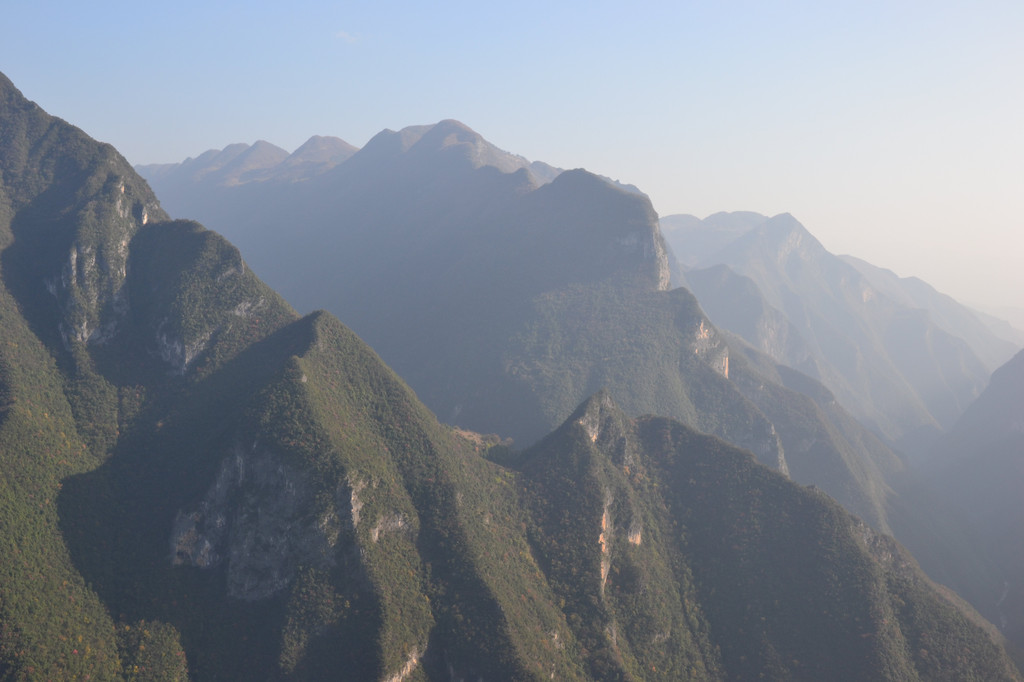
(505, 301)
(486, 288)
(903, 358)
(200, 483)
(241, 163)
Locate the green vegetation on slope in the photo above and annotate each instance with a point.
(197, 483)
(52, 625)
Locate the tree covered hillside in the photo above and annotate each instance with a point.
(198, 483)
(505, 298)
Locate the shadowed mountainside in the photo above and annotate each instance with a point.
(505, 301)
(199, 484)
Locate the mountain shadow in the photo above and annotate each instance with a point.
(505, 298)
(200, 484)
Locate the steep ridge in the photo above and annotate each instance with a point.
(824, 446)
(66, 206)
(327, 506)
(199, 484)
(207, 474)
(658, 499)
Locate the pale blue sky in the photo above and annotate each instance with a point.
(893, 130)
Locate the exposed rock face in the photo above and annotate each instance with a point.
(712, 567)
(662, 261)
(735, 303)
(176, 352)
(184, 318)
(708, 345)
(260, 518)
(72, 221)
(410, 665)
(603, 422)
(89, 283)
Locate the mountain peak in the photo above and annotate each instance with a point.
(785, 223)
(263, 153)
(450, 142)
(580, 179)
(450, 136)
(315, 156)
(264, 147)
(236, 163)
(322, 149)
(388, 144)
(450, 133)
(318, 516)
(8, 91)
(600, 417)
(450, 126)
(785, 237)
(694, 240)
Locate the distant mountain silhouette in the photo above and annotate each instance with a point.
(698, 239)
(899, 355)
(235, 164)
(238, 164)
(993, 342)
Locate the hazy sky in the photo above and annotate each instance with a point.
(893, 130)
